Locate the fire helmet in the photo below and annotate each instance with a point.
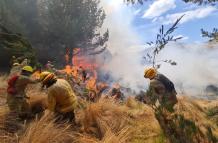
(27, 68)
(46, 77)
(150, 73)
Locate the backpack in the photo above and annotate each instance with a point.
(166, 82)
(11, 85)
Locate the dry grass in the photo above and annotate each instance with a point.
(3, 86)
(45, 130)
(103, 122)
(195, 110)
(105, 118)
(8, 126)
(3, 81)
(143, 118)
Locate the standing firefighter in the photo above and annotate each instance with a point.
(16, 98)
(61, 97)
(161, 89)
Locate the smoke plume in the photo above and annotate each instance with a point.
(197, 64)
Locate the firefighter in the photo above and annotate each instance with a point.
(161, 89)
(61, 97)
(50, 67)
(16, 97)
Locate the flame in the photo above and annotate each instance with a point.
(81, 64)
(91, 84)
(75, 71)
(68, 69)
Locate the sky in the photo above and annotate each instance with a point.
(147, 18)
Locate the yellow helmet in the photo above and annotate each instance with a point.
(46, 77)
(27, 68)
(150, 73)
(43, 75)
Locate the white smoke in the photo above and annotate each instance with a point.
(125, 64)
(197, 64)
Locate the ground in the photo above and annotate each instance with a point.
(194, 120)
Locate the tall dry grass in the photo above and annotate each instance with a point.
(45, 130)
(105, 118)
(195, 110)
(101, 122)
(3, 80)
(3, 86)
(143, 119)
(8, 126)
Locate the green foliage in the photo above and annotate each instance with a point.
(210, 136)
(16, 45)
(161, 138)
(212, 112)
(187, 126)
(178, 129)
(162, 39)
(213, 36)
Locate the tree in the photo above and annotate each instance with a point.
(16, 45)
(213, 36)
(53, 26)
(162, 39)
(193, 1)
(73, 23)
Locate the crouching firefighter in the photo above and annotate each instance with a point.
(61, 97)
(161, 89)
(16, 95)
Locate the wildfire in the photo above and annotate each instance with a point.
(68, 69)
(91, 84)
(84, 69)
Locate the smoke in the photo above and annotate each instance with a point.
(197, 63)
(197, 66)
(125, 65)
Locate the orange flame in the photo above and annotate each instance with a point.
(68, 69)
(91, 84)
(80, 64)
